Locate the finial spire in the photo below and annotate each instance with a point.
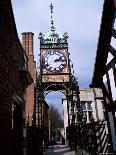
(52, 22)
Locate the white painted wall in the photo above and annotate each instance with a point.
(110, 57)
(113, 42)
(105, 82)
(112, 84)
(89, 94)
(65, 118)
(113, 90)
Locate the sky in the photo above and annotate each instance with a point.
(80, 18)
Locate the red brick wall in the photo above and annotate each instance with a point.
(11, 53)
(27, 42)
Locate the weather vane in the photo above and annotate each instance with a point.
(51, 7)
(52, 22)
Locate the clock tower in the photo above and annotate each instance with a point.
(55, 74)
(54, 56)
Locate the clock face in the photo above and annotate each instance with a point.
(55, 61)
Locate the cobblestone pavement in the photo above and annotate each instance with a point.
(59, 150)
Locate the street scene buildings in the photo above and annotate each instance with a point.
(89, 113)
(92, 103)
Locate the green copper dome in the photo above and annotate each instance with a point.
(53, 36)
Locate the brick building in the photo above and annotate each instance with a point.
(27, 42)
(14, 78)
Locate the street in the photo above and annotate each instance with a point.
(59, 150)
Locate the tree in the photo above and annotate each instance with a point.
(55, 119)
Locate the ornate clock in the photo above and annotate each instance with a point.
(54, 61)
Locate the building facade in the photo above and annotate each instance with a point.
(92, 104)
(104, 75)
(14, 79)
(91, 101)
(27, 43)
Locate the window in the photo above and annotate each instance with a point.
(85, 116)
(90, 113)
(87, 110)
(83, 105)
(89, 106)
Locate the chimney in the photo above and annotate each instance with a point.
(27, 42)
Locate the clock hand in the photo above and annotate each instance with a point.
(59, 59)
(56, 60)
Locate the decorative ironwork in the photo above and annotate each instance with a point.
(52, 22)
(54, 40)
(54, 45)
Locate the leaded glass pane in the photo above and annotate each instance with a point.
(89, 107)
(83, 105)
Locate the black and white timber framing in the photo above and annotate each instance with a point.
(104, 75)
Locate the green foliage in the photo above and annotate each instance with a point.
(55, 119)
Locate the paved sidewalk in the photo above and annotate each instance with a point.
(59, 150)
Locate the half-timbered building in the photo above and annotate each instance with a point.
(104, 75)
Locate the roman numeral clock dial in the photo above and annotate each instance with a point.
(55, 61)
